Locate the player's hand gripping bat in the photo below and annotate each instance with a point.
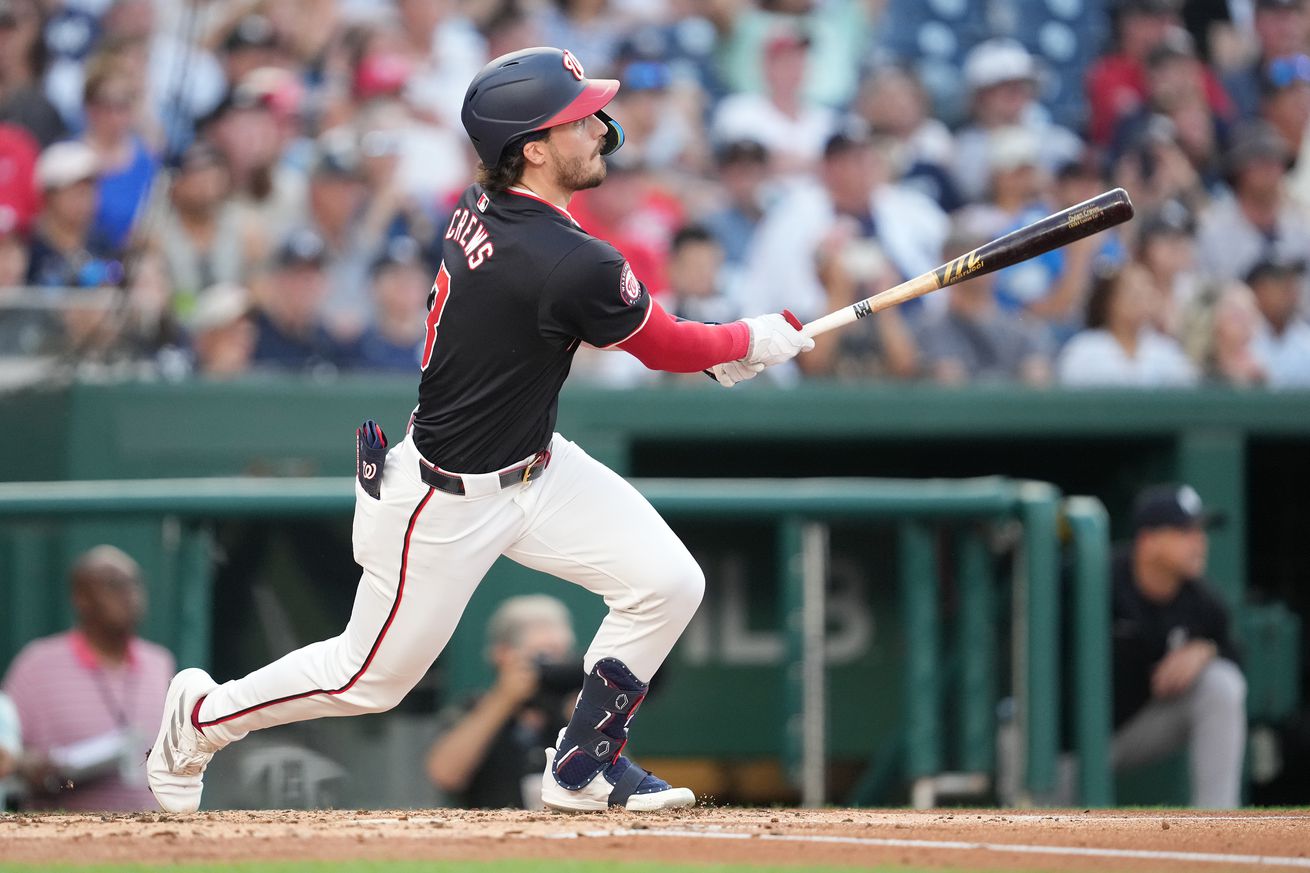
(1077, 222)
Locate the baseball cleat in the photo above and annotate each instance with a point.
(176, 763)
(621, 784)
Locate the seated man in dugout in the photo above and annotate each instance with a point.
(1177, 683)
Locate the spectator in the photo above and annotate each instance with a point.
(338, 205)
(64, 251)
(1117, 82)
(855, 186)
(445, 51)
(1177, 683)
(841, 31)
(792, 127)
(490, 753)
(1119, 347)
(637, 214)
(144, 322)
(1002, 80)
(1234, 233)
(400, 280)
(203, 237)
(683, 38)
(290, 330)
(173, 102)
(1016, 188)
(974, 340)
(113, 131)
(1175, 113)
(510, 29)
(1282, 341)
(90, 697)
(23, 58)
(1051, 287)
(849, 267)
(23, 332)
(1285, 99)
(18, 155)
(309, 31)
(1156, 169)
(587, 27)
(13, 251)
(412, 164)
(247, 130)
(657, 118)
(1230, 356)
(249, 43)
(71, 33)
(1166, 247)
(222, 332)
(11, 748)
(696, 278)
(895, 105)
(743, 170)
(1282, 29)
(1286, 106)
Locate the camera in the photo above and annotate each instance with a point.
(558, 677)
(558, 682)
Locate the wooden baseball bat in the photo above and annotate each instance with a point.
(1077, 222)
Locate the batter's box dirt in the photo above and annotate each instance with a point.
(976, 839)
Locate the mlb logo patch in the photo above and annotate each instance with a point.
(483, 202)
(629, 287)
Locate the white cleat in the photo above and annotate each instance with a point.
(595, 795)
(175, 767)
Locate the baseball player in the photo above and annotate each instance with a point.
(480, 472)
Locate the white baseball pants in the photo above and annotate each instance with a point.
(424, 551)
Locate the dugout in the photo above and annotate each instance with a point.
(1246, 452)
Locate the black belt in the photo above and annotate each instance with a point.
(453, 484)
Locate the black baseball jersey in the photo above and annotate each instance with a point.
(520, 286)
(1145, 631)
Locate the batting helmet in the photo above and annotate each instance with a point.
(530, 90)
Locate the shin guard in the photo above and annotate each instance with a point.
(598, 730)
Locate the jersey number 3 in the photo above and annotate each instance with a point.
(440, 293)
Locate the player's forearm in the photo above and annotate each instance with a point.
(460, 751)
(664, 343)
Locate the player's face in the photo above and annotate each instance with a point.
(574, 150)
(1184, 550)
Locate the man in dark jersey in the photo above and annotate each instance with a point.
(1176, 676)
(481, 472)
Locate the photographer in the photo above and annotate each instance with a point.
(538, 677)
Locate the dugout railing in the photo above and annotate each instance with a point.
(999, 543)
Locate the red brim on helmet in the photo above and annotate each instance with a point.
(595, 96)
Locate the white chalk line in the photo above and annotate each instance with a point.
(1077, 851)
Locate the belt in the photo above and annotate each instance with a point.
(452, 483)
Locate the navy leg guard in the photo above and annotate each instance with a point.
(598, 730)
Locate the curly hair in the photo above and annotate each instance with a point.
(509, 170)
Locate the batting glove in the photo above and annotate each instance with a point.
(732, 372)
(775, 338)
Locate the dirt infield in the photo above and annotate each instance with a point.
(977, 839)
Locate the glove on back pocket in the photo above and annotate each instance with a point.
(370, 453)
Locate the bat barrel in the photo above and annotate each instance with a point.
(1070, 225)
(1104, 210)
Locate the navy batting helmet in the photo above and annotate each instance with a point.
(531, 90)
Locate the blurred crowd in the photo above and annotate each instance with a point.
(216, 187)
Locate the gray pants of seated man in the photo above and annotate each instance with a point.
(1210, 718)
